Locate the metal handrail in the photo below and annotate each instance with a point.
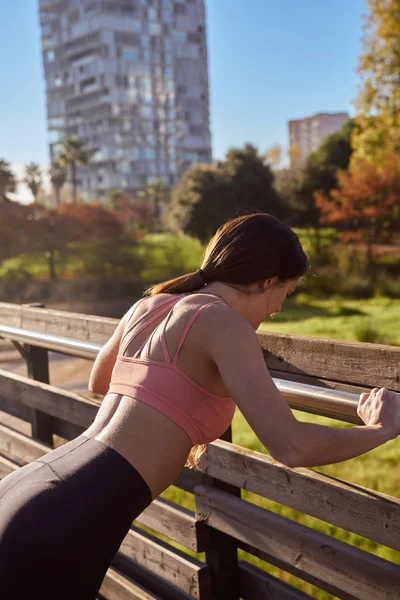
(309, 398)
(57, 343)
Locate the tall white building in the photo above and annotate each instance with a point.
(305, 135)
(129, 78)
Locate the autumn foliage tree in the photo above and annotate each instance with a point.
(94, 221)
(131, 213)
(13, 228)
(377, 132)
(49, 231)
(365, 206)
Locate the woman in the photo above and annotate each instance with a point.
(172, 373)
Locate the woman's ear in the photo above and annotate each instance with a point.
(268, 283)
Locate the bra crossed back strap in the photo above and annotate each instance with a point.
(146, 345)
(161, 309)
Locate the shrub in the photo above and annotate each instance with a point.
(166, 256)
(386, 286)
(328, 281)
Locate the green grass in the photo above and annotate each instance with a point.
(338, 318)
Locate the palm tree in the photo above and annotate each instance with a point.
(158, 193)
(72, 154)
(33, 179)
(8, 183)
(58, 176)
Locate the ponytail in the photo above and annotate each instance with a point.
(181, 285)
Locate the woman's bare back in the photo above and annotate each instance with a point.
(155, 445)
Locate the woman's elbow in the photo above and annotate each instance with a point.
(97, 387)
(288, 456)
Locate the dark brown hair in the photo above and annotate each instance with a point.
(244, 250)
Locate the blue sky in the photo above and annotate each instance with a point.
(269, 61)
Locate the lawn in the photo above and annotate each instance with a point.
(343, 319)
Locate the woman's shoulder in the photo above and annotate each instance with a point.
(147, 303)
(222, 321)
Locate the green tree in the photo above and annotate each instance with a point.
(8, 183)
(33, 179)
(377, 132)
(196, 203)
(298, 187)
(208, 195)
(73, 154)
(58, 177)
(157, 195)
(249, 183)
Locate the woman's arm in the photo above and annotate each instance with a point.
(100, 375)
(234, 347)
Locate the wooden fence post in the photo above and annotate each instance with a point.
(37, 360)
(222, 555)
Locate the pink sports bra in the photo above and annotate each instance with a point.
(162, 385)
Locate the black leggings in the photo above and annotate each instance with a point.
(63, 518)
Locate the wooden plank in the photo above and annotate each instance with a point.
(344, 567)
(117, 586)
(186, 573)
(48, 399)
(19, 447)
(58, 322)
(7, 466)
(10, 406)
(297, 572)
(61, 427)
(357, 509)
(149, 580)
(348, 362)
(177, 523)
(256, 584)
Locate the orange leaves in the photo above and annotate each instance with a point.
(93, 221)
(366, 201)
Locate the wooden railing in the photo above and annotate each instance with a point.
(146, 567)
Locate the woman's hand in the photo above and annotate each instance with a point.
(381, 407)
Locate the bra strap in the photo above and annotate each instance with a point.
(146, 345)
(163, 340)
(161, 308)
(189, 325)
(130, 326)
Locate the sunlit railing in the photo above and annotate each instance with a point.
(322, 401)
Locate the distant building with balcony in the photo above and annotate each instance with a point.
(129, 78)
(305, 135)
